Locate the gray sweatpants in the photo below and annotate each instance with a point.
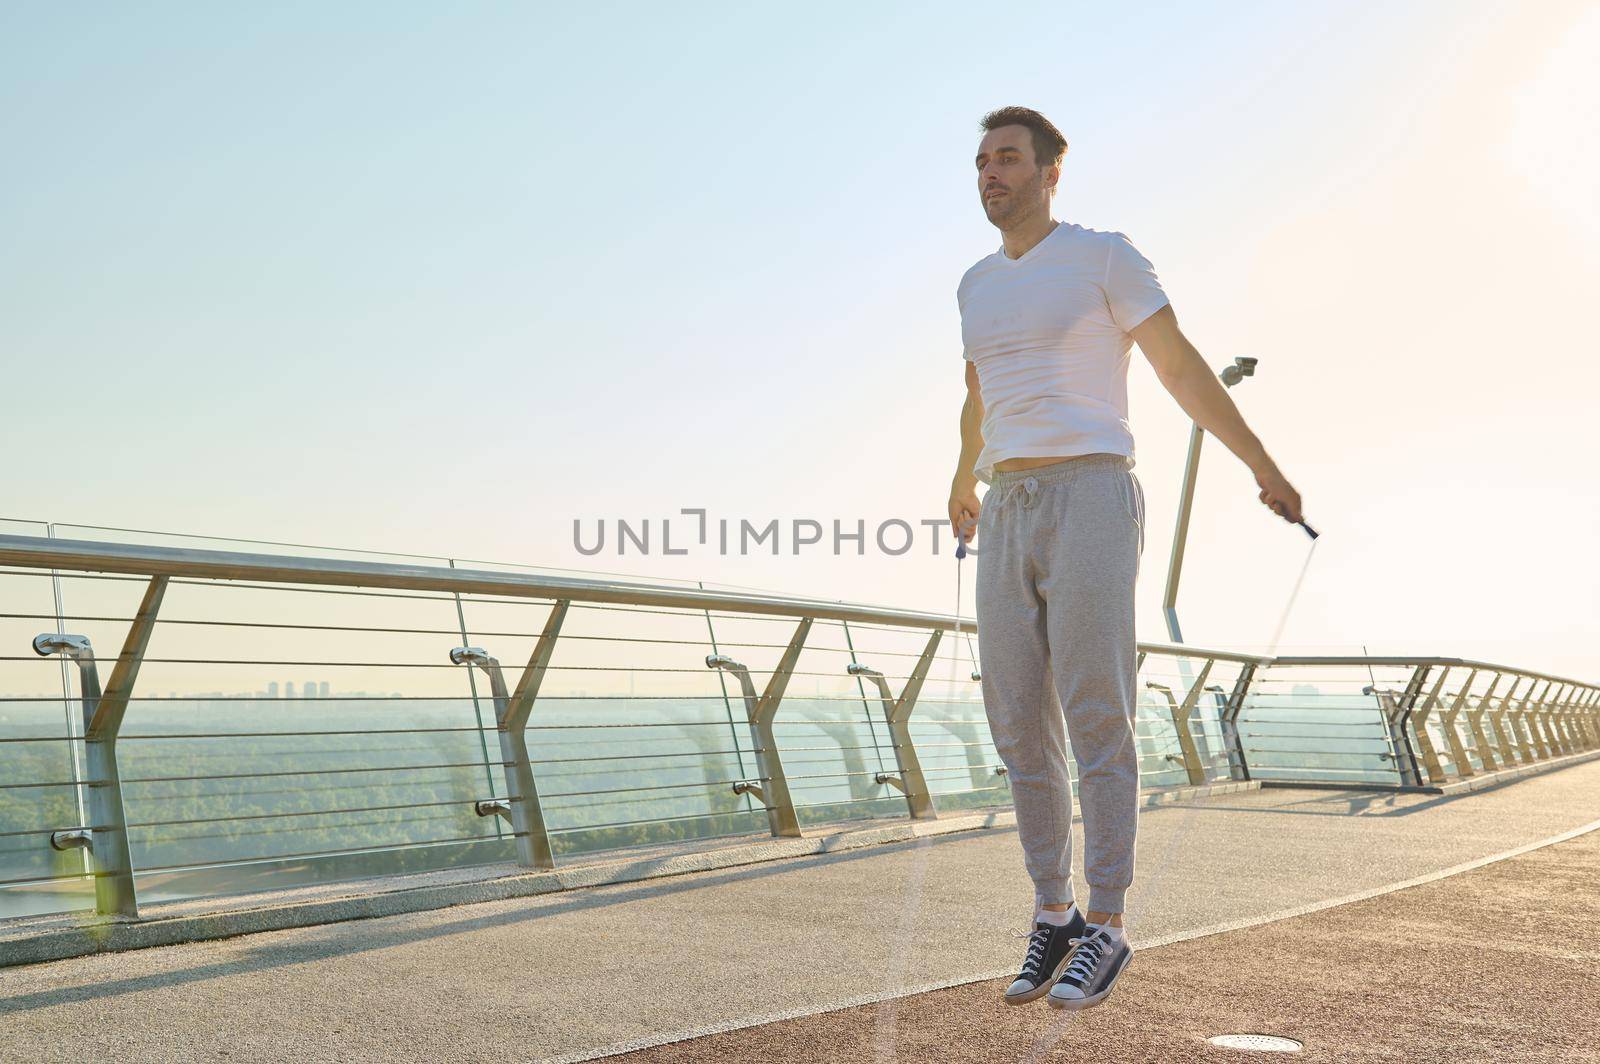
(1058, 553)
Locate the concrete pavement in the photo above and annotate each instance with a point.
(578, 974)
(1496, 964)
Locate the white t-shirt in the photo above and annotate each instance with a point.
(1049, 335)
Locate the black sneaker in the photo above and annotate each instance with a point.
(1048, 949)
(1091, 970)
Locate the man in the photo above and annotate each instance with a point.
(1047, 323)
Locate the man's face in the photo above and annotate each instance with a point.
(1011, 185)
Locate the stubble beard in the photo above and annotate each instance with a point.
(1016, 206)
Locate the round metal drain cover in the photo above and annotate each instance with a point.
(1260, 1043)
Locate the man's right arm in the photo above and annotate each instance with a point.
(971, 430)
(964, 503)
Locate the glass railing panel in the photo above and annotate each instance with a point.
(39, 764)
(281, 735)
(633, 739)
(232, 750)
(1161, 751)
(948, 727)
(833, 728)
(1315, 723)
(833, 742)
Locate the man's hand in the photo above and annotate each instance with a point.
(964, 509)
(1278, 495)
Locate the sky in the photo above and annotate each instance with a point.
(452, 280)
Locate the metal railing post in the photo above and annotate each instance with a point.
(1501, 724)
(1587, 720)
(1574, 715)
(1517, 718)
(1547, 722)
(1399, 718)
(1192, 764)
(1238, 765)
(1539, 722)
(1573, 718)
(1575, 722)
(106, 834)
(1530, 709)
(897, 712)
(511, 713)
(1575, 735)
(1447, 721)
(1560, 724)
(1486, 754)
(1430, 755)
(1550, 721)
(1522, 721)
(773, 786)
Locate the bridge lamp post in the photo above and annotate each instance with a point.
(1241, 368)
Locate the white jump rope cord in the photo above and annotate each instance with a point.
(1277, 636)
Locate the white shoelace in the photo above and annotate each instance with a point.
(1091, 949)
(1038, 940)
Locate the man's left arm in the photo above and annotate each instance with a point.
(1184, 373)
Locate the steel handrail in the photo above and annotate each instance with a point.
(135, 559)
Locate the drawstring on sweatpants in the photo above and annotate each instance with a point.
(1001, 496)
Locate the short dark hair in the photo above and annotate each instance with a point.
(1049, 146)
